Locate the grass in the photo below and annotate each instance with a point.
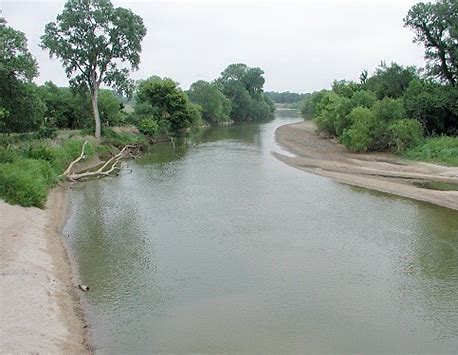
(442, 150)
(29, 167)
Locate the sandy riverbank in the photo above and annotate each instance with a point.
(39, 304)
(377, 171)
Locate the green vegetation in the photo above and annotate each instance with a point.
(395, 108)
(216, 107)
(92, 39)
(435, 149)
(285, 97)
(30, 168)
(243, 86)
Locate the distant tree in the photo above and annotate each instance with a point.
(20, 105)
(96, 43)
(243, 86)
(162, 101)
(436, 26)
(215, 106)
(285, 97)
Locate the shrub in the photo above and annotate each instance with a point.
(360, 136)
(405, 133)
(148, 126)
(26, 182)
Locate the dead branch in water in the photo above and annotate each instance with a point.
(106, 169)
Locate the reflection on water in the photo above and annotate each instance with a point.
(215, 246)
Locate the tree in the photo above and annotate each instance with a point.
(215, 106)
(436, 26)
(243, 85)
(96, 43)
(160, 100)
(390, 81)
(15, 59)
(20, 105)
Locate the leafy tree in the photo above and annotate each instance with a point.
(435, 106)
(15, 59)
(162, 101)
(96, 43)
(20, 105)
(390, 81)
(64, 107)
(215, 106)
(243, 85)
(436, 26)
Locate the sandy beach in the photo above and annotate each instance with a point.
(377, 171)
(39, 303)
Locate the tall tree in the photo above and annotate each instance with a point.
(96, 43)
(21, 109)
(436, 26)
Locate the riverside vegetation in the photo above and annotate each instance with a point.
(43, 128)
(397, 108)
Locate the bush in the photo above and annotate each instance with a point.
(360, 137)
(405, 133)
(26, 182)
(148, 126)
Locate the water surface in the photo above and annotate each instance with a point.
(216, 246)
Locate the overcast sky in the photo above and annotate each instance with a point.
(302, 46)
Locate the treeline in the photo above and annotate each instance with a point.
(42, 128)
(396, 108)
(286, 97)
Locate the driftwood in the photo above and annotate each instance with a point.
(106, 169)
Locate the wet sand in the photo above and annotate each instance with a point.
(39, 303)
(384, 172)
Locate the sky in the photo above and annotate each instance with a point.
(302, 46)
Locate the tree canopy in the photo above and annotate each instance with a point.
(97, 43)
(243, 86)
(436, 26)
(215, 106)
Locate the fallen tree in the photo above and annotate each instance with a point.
(105, 169)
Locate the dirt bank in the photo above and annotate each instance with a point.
(39, 304)
(378, 171)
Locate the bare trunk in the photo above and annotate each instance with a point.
(95, 109)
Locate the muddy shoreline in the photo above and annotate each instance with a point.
(383, 172)
(40, 303)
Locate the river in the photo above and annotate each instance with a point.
(216, 246)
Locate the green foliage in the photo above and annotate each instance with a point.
(437, 149)
(215, 106)
(310, 104)
(163, 101)
(92, 38)
(285, 97)
(389, 110)
(405, 133)
(390, 81)
(360, 137)
(148, 126)
(435, 25)
(110, 108)
(21, 104)
(243, 85)
(435, 106)
(26, 181)
(16, 62)
(28, 169)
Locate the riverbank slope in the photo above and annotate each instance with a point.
(377, 171)
(40, 311)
